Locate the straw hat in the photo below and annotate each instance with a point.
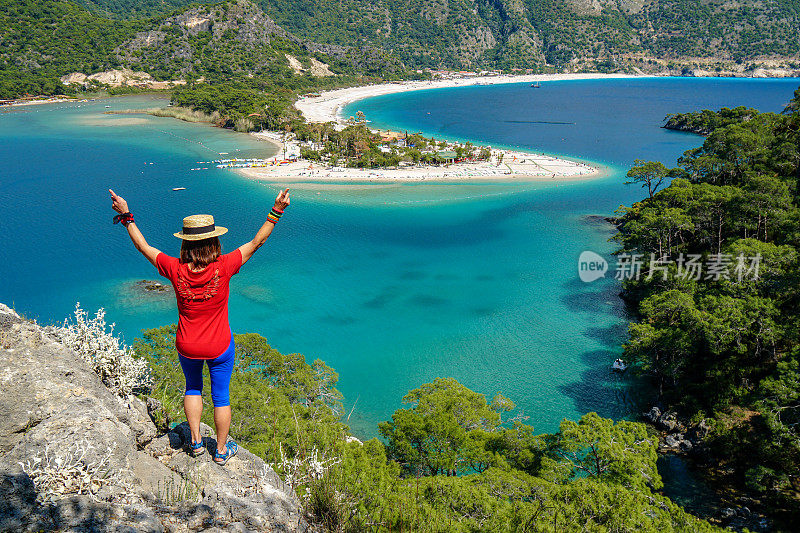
(199, 227)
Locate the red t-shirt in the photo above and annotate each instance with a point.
(203, 329)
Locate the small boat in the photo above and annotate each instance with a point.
(108, 107)
(619, 366)
(536, 85)
(179, 188)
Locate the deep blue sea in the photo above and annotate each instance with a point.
(393, 285)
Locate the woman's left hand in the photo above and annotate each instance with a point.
(118, 203)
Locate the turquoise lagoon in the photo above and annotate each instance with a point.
(391, 285)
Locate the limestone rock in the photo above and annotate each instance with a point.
(246, 490)
(697, 433)
(62, 425)
(668, 422)
(117, 77)
(78, 78)
(148, 285)
(158, 415)
(295, 64)
(320, 69)
(17, 498)
(652, 415)
(673, 441)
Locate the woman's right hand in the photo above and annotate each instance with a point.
(119, 204)
(282, 201)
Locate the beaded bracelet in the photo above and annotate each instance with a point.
(274, 215)
(124, 218)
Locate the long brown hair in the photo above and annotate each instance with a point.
(201, 253)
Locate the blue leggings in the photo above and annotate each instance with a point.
(220, 369)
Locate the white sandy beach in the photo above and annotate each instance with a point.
(540, 170)
(327, 106)
(19, 103)
(515, 166)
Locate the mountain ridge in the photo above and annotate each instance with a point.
(40, 42)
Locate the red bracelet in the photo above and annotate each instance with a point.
(124, 218)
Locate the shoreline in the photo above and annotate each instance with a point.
(381, 177)
(328, 106)
(323, 176)
(524, 166)
(54, 100)
(85, 97)
(517, 165)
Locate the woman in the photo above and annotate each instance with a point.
(200, 278)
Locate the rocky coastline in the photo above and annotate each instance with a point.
(674, 124)
(680, 437)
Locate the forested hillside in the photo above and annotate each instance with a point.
(527, 33)
(599, 34)
(40, 41)
(452, 460)
(718, 298)
(133, 9)
(232, 42)
(43, 40)
(235, 37)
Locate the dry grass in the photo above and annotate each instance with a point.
(171, 492)
(58, 474)
(184, 113)
(181, 113)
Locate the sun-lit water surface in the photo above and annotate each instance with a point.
(392, 286)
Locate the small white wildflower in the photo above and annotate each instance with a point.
(302, 469)
(114, 363)
(69, 472)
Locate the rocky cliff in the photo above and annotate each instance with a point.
(237, 37)
(569, 35)
(76, 456)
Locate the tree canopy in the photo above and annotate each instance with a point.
(593, 475)
(718, 329)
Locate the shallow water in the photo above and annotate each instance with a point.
(392, 286)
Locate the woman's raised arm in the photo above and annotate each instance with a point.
(249, 248)
(121, 206)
